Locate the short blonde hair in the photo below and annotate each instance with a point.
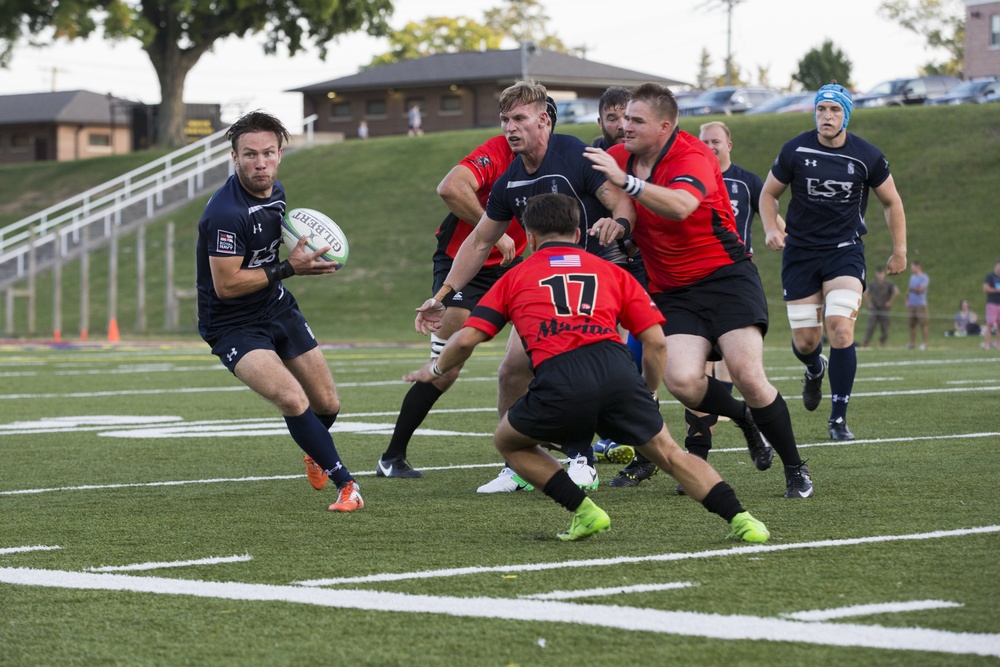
(523, 92)
(720, 124)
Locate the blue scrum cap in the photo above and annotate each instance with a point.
(836, 93)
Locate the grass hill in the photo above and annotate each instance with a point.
(945, 162)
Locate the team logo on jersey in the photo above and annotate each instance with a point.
(555, 186)
(520, 201)
(226, 242)
(736, 189)
(257, 229)
(810, 163)
(850, 168)
(482, 161)
(829, 188)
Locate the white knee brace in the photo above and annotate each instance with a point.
(804, 315)
(843, 303)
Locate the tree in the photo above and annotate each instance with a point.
(524, 20)
(940, 22)
(732, 77)
(823, 65)
(176, 33)
(705, 78)
(729, 5)
(437, 34)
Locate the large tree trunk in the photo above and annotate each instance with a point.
(172, 64)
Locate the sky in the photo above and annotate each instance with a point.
(650, 36)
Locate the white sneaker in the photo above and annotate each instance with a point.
(583, 474)
(506, 482)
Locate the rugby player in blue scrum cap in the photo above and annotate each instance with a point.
(830, 172)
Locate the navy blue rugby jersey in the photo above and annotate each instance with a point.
(237, 223)
(830, 189)
(565, 170)
(744, 189)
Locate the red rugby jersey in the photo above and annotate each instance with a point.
(563, 297)
(682, 252)
(487, 163)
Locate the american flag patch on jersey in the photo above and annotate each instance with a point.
(564, 260)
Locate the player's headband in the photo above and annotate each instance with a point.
(550, 108)
(834, 92)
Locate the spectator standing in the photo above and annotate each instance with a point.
(363, 129)
(879, 296)
(414, 121)
(916, 301)
(991, 287)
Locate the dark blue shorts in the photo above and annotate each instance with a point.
(731, 298)
(592, 389)
(285, 331)
(480, 284)
(804, 270)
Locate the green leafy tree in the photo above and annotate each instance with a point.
(734, 78)
(940, 22)
(437, 34)
(705, 79)
(524, 20)
(176, 33)
(823, 65)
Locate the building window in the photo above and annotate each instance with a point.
(995, 31)
(96, 140)
(375, 108)
(451, 105)
(20, 142)
(340, 111)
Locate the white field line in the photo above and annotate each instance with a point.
(21, 550)
(468, 466)
(754, 550)
(176, 563)
(870, 609)
(602, 592)
(713, 626)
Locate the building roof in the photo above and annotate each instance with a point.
(67, 106)
(551, 68)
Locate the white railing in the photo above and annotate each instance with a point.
(106, 203)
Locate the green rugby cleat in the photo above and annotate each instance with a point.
(748, 528)
(588, 519)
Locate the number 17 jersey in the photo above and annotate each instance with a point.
(562, 298)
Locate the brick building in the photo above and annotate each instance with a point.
(982, 38)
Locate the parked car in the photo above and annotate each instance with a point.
(973, 91)
(581, 110)
(779, 104)
(727, 100)
(904, 92)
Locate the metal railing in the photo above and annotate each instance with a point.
(58, 231)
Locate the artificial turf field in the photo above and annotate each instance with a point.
(155, 512)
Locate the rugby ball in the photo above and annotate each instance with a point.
(320, 231)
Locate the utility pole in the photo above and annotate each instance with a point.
(729, 5)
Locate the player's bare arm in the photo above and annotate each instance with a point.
(895, 218)
(654, 356)
(455, 353)
(458, 189)
(608, 230)
(774, 225)
(468, 261)
(230, 280)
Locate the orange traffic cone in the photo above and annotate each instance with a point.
(83, 334)
(113, 336)
(56, 336)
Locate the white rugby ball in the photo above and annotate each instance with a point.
(320, 231)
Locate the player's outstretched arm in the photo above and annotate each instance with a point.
(458, 349)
